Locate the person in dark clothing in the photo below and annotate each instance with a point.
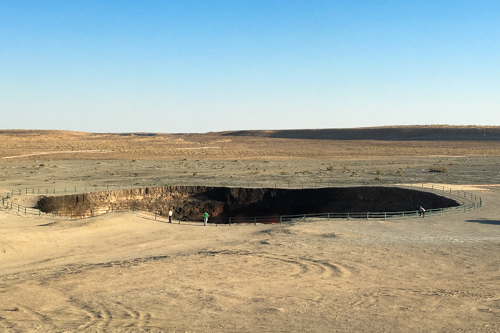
(421, 211)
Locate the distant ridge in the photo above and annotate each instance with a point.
(389, 133)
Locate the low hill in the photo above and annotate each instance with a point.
(389, 133)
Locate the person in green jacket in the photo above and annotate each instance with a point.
(205, 218)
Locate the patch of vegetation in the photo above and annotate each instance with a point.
(399, 173)
(438, 168)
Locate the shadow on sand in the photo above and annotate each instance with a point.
(493, 222)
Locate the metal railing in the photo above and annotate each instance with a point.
(469, 201)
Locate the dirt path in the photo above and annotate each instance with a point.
(56, 152)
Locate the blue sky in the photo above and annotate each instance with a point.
(200, 66)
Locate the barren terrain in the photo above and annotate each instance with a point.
(130, 272)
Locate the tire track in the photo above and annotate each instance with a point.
(306, 266)
(92, 316)
(110, 314)
(45, 321)
(7, 326)
(140, 319)
(105, 317)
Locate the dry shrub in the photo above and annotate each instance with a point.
(399, 173)
(438, 168)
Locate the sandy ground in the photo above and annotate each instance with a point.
(130, 272)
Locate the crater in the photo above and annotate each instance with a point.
(190, 202)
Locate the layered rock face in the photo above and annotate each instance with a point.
(190, 202)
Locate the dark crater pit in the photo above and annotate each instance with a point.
(190, 202)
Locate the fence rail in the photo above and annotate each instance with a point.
(469, 201)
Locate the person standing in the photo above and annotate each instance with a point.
(421, 211)
(205, 218)
(170, 214)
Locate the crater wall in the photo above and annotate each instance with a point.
(190, 202)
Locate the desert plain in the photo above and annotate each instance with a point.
(130, 272)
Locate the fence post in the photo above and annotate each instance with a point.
(367, 216)
(91, 212)
(281, 219)
(328, 216)
(403, 215)
(385, 216)
(229, 221)
(255, 221)
(348, 216)
(133, 208)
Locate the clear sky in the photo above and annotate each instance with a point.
(210, 65)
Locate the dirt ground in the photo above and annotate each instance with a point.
(130, 272)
